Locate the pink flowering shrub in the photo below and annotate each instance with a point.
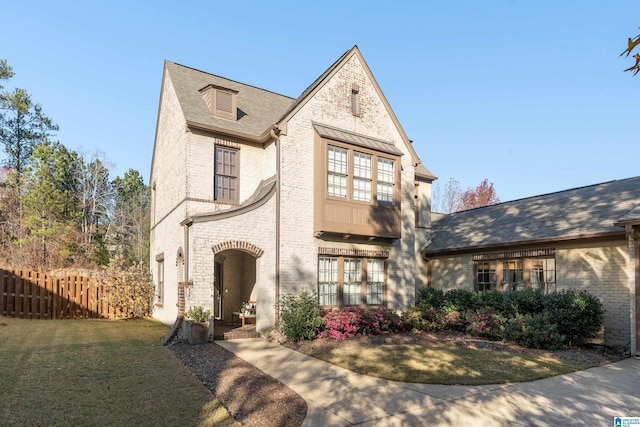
(346, 323)
(485, 323)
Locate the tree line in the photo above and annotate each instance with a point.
(60, 207)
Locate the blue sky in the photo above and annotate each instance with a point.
(530, 95)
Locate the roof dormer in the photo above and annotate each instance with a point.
(222, 102)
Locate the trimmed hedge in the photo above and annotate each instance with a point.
(529, 317)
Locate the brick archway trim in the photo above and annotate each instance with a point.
(240, 246)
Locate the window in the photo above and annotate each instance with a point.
(361, 177)
(485, 276)
(365, 178)
(327, 281)
(543, 274)
(512, 276)
(516, 270)
(375, 281)
(226, 175)
(352, 281)
(160, 272)
(385, 181)
(337, 172)
(347, 281)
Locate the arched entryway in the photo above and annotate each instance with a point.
(235, 279)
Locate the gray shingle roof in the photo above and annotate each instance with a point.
(579, 212)
(258, 109)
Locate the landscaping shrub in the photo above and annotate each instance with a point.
(340, 324)
(412, 319)
(300, 316)
(430, 298)
(485, 323)
(346, 323)
(577, 314)
(533, 331)
(524, 302)
(127, 287)
(490, 300)
(454, 320)
(461, 300)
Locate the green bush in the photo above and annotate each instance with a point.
(461, 300)
(430, 298)
(300, 316)
(578, 314)
(198, 314)
(533, 331)
(490, 300)
(523, 302)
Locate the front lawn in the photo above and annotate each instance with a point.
(446, 358)
(97, 373)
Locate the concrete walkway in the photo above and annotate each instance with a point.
(338, 397)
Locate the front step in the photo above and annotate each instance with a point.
(234, 333)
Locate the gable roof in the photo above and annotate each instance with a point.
(326, 76)
(258, 109)
(591, 211)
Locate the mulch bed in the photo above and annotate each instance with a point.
(252, 397)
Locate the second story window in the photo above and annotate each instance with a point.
(385, 181)
(337, 172)
(361, 177)
(226, 175)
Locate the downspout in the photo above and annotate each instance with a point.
(275, 134)
(185, 245)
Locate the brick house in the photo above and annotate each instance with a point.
(256, 194)
(583, 238)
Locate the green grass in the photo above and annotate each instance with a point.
(97, 373)
(446, 364)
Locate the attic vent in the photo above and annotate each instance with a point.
(224, 102)
(221, 102)
(355, 99)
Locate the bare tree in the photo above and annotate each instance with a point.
(447, 200)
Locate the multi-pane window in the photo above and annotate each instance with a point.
(358, 176)
(361, 177)
(385, 181)
(226, 175)
(327, 281)
(512, 275)
(543, 274)
(344, 281)
(352, 282)
(337, 167)
(485, 276)
(375, 281)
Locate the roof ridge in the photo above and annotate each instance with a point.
(231, 80)
(546, 194)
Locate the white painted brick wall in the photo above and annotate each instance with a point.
(331, 105)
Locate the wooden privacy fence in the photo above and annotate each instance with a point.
(36, 295)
